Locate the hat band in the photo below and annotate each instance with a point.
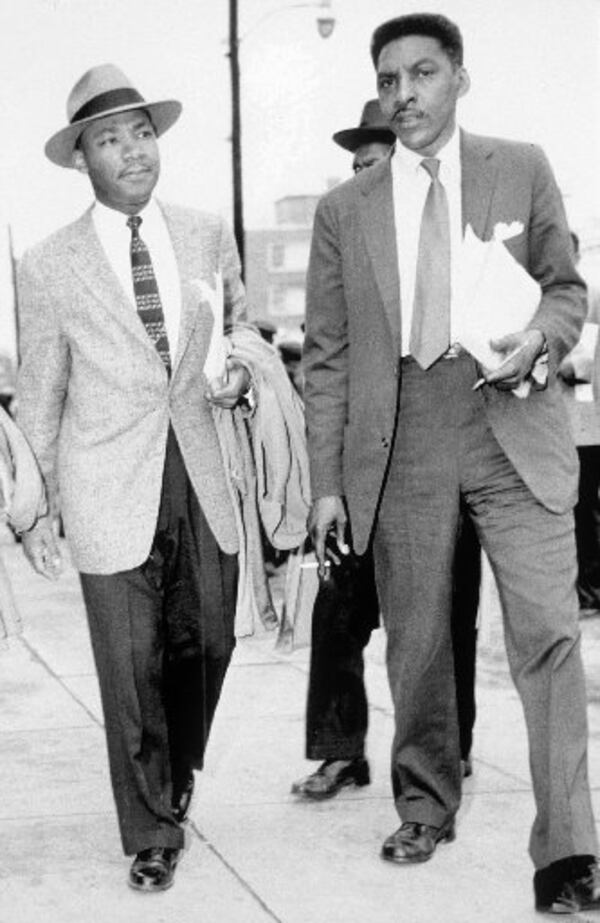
(104, 102)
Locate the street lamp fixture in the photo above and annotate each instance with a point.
(326, 21)
(325, 26)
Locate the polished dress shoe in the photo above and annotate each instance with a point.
(331, 776)
(182, 799)
(580, 891)
(154, 869)
(414, 842)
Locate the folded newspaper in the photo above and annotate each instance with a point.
(216, 357)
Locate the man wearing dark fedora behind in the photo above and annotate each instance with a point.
(347, 609)
(117, 311)
(370, 141)
(404, 426)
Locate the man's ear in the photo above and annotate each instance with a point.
(79, 162)
(464, 82)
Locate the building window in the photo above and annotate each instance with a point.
(277, 256)
(286, 300)
(291, 256)
(276, 299)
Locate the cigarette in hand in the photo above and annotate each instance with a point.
(483, 381)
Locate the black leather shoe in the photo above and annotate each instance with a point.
(154, 869)
(331, 776)
(574, 895)
(415, 842)
(182, 799)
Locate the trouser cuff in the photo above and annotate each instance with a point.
(173, 838)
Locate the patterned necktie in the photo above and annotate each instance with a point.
(430, 329)
(145, 289)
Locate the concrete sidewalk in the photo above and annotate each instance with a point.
(256, 855)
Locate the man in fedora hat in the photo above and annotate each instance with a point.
(117, 313)
(370, 141)
(347, 609)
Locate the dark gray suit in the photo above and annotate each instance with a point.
(405, 447)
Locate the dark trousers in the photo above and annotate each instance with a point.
(445, 452)
(587, 527)
(345, 612)
(162, 636)
(466, 584)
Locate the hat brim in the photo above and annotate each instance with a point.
(59, 149)
(352, 138)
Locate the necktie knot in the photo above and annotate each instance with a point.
(134, 222)
(432, 166)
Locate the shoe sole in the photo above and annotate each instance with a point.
(152, 889)
(155, 889)
(562, 910)
(324, 796)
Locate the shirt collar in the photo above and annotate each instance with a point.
(409, 162)
(113, 220)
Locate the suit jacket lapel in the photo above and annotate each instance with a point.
(478, 183)
(377, 217)
(379, 221)
(91, 265)
(93, 268)
(188, 254)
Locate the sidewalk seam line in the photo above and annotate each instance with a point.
(34, 653)
(235, 874)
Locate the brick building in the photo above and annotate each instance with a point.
(276, 262)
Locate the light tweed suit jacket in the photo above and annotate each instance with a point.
(352, 346)
(94, 398)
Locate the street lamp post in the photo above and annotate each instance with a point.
(325, 25)
(236, 129)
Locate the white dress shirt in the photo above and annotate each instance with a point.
(115, 237)
(410, 183)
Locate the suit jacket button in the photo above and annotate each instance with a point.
(385, 442)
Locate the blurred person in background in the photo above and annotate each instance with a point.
(579, 374)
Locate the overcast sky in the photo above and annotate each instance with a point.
(533, 64)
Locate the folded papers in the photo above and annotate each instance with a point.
(496, 296)
(216, 357)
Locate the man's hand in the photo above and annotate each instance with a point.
(227, 390)
(41, 549)
(577, 370)
(327, 514)
(520, 352)
(566, 371)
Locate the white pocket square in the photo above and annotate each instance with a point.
(504, 231)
